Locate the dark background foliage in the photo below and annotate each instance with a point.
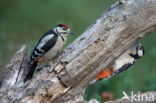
(24, 22)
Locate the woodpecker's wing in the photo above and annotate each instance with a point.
(44, 45)
(123, 68)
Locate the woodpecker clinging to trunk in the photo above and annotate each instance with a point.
(122, 63)
(48, 47)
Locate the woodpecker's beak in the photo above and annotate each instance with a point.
(71, 33)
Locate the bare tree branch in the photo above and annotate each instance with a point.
(114, 32)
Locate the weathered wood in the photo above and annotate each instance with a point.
(64, 81)
(13, 71)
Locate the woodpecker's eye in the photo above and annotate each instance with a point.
(64, 28)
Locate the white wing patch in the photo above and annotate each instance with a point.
(36, 53)
(44, 41)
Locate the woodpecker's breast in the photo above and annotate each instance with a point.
(54, 51)
(122, 60)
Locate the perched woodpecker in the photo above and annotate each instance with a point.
(48, 47)
(122, 63)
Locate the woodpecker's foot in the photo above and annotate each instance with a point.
(39, 68)
(47, 65)
(59, 53)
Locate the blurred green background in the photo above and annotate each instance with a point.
(24, 22)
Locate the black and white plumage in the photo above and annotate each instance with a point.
(48, 47)
(122, 63)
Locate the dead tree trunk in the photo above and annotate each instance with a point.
(114, 32)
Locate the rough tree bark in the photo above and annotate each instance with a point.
(64, 81)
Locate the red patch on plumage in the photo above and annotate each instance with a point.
(105, 73)
(63, 25)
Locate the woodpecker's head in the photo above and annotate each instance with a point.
(137, 51)
(62, 30)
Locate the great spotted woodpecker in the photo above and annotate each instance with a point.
(122, 63)
(48, 47)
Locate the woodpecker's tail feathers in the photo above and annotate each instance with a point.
(93, 81)
(32, 67)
